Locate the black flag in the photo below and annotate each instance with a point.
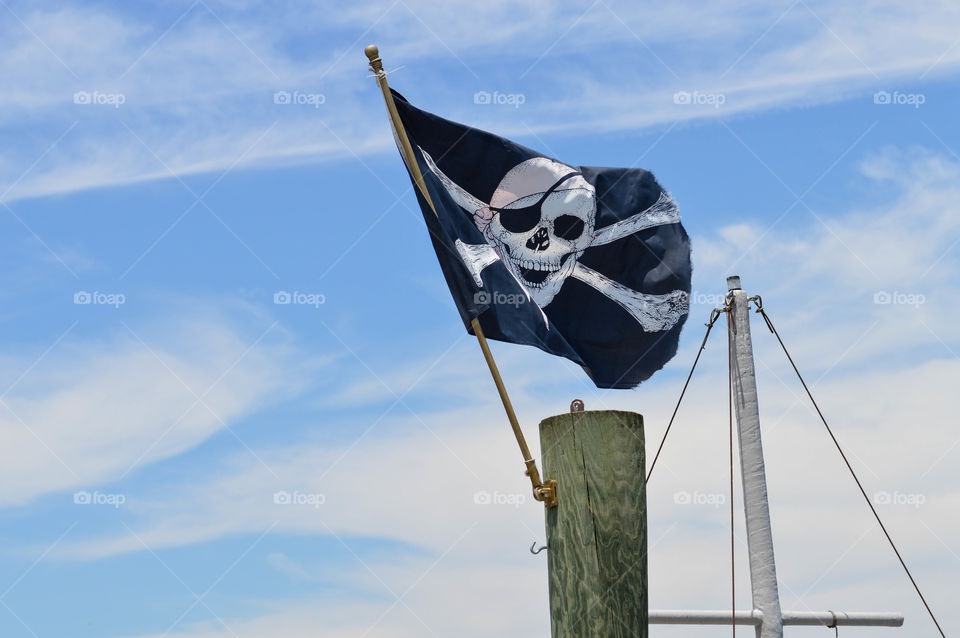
(587, 263)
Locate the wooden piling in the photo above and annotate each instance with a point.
(597, 534)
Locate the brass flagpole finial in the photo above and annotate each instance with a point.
(373, 54)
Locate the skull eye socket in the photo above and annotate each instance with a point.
(524, 218)
(568, 227)
(520, 220)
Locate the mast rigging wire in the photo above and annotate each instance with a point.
(759, 304)
(733, 565)
(714, 315)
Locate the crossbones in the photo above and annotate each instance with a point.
(539, 222)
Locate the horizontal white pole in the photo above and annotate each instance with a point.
(754, 617)
(843, 618)
(699, 617)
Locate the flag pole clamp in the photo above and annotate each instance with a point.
(543, 491)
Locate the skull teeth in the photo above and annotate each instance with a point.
(538, 265)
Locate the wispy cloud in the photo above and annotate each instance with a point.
(197, 81)
(84, 412)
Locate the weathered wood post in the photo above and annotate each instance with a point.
(597, 533)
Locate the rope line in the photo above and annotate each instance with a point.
(759, 304)
(733, 572)
(714, 315)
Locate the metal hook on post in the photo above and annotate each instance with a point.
(833, 622)
(534, 544)
(758, 302)
(715, 315)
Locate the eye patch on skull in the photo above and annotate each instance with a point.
(524, 218)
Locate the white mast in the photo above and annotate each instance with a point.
(766, 614)
(763, 569)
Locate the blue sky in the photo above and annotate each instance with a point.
(148, 165)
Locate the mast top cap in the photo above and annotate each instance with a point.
(733, 282)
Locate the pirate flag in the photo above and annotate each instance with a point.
(586, 263)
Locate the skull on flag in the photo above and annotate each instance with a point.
(541, 219)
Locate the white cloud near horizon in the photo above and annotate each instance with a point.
(94, 410)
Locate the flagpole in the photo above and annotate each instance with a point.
(542, 491)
